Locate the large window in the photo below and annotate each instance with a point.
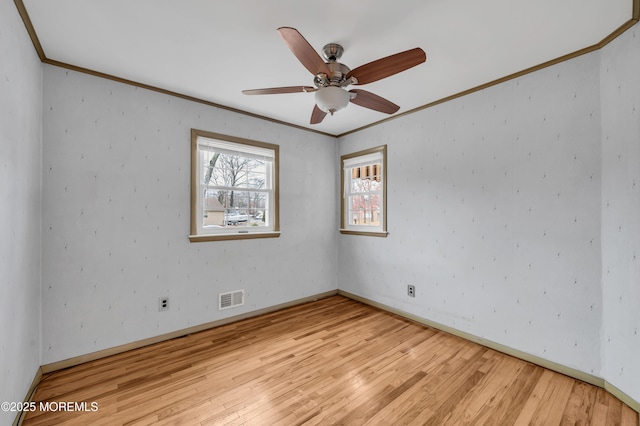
(234, 188)
(364, 208)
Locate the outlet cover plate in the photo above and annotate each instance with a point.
(163, 304)
(411, 291)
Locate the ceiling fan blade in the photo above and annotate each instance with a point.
(303, 51)
(317, 115)
(373, 101)
(280, 90)
(388, 66)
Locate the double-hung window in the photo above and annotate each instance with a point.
(234, 188)
(363, 206)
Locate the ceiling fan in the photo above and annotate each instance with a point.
(331, 77)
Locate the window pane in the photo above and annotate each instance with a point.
(364, 210)
(223, 208)
(213, 209)
(363, 203)
(236, 185)
(365, 185)
(233, 170)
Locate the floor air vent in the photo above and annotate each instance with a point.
(230, 299)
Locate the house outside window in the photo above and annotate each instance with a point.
(363, 202)
(234, 188)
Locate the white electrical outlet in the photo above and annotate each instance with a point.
(411, 291)
(163, 304)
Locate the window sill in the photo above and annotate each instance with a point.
(365, 233)
(238, 236)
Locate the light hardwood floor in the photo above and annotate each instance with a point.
(333, 361)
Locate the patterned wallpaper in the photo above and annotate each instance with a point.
(512, 210)
(494, 215)
(621, 210)
(20, 172)
(116, 217)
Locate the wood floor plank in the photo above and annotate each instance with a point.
(600, 408)
(332, 361)
(629, 416)
(492, 395)
(614, 411)
(507, 408)
(535, 399)
(554, 400)
(580, 405)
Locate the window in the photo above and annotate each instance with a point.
(234, 188)
(364, 190)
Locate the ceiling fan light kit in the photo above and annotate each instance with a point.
(331, 77)
(331, 99)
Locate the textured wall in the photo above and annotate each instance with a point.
(621, 211)
(494, 215)
(116, 163)
(20, 173)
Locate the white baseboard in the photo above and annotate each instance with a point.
(635, 405)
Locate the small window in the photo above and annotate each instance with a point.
(364, 204)
(234, 188)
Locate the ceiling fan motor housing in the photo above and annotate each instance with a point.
(331, 53)
(336, 78)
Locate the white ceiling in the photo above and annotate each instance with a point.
(212, 50)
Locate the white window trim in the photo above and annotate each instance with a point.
(247, 148)
(361, 158)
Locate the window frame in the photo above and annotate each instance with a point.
(346, 228)
(196, 232)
